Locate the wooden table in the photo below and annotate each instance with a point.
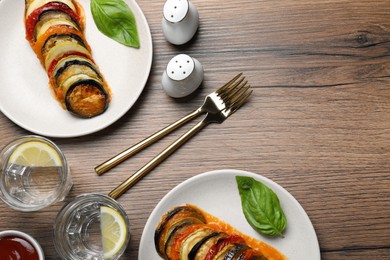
(318, 122)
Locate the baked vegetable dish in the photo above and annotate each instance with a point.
(55, 31)
(187, 232)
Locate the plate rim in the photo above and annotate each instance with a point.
(117, 116)
(211, 174)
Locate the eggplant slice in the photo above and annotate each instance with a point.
(86, 98)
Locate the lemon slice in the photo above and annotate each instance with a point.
(114, 231)
(35, 153)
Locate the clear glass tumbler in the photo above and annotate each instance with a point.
(79, 231)
(34, 173)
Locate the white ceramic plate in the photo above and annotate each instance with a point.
(217, 193)
(25, 96)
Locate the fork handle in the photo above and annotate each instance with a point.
(134, 178)
(117, 159)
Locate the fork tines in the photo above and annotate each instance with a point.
(235, 91)
(239, 100)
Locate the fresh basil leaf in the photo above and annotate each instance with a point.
(261, 207)
(115, 19)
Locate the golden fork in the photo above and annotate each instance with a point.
(232, 105)
(213, 103)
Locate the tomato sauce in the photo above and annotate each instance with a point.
(17, 248)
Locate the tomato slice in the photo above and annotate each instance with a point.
(214, 249)
(56, 60)
(57, 29)
(33, 18)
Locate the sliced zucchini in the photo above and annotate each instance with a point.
(72, 80)
(75, 67)
(31, 5)
(53, 18)
(74, 72)
(178, 229)
(62, 48)
(61, 63)
(193, 254)
(203, 250)
(191, 240)
(53, 39)
(224, 251)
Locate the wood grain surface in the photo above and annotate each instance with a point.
(318, 122)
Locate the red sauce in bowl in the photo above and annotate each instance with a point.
(17, 248)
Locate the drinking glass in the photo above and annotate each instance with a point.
(26, 186)
(77, 228)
